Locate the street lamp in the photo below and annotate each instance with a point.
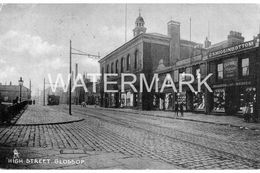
(20, 84)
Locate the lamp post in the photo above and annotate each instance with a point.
(20, 84)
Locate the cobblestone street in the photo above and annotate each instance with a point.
(108, 139)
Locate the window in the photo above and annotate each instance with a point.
(198, 75)
(122, 65)
(102, 71)
(181, 72)
(220, 71)
(176, 76)
(219, 97)
(136, 59)
(128, 62)
(203, 72)
(116, 66)
(112, 67)
(245, 67)
(188, 71)
(107, 68)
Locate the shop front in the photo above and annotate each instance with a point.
(199, 101)
(232, 98)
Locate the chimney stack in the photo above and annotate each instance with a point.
(207, 43)
(174, 33)
(235, 37)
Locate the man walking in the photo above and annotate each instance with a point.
(181, 109)
(176, 109)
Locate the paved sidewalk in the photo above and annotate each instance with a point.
(198, 117)
(37, 114)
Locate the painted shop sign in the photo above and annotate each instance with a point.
(232, 49)
(231, 84)
(197, 58)
(182, 62)
(230, 68)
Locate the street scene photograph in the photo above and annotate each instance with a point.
(129, 86)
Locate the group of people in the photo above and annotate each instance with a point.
(179, 108)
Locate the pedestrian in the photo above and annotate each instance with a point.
(181, 109)
(176, 109)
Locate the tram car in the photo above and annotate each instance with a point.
(53, 100)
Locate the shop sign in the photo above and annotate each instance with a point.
(182, 62)
(230, 68)
(197, 58)
(232, 84)
(233, 49)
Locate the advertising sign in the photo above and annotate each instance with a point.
(230, 68)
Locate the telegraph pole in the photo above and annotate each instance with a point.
(44, 92)
(190, 28)
(70, 83)
(80, 53)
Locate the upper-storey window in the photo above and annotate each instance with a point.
(128, 62)
(220, 71)
(136, 59)
(112, 68)
(102, 71)
(122, 65)
(117, 66)
(107, 68)
(245, 66)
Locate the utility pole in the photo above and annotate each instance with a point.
(190, 28)
(70, 83)
(30, 89)
(125, 22)
(80, 53)
(44, 92)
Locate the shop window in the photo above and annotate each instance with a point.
(112, 67)
(199, 101)
(219, 100)
(182, 99)
(128, 62)
(116, 66)
(247, 97)
(220, 71)
(245, 67)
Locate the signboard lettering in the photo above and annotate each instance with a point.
(232, 49)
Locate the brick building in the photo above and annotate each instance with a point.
(235, 80)
(8, 93)
(234, 63)
(143, 54)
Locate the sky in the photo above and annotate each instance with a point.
(34, 38)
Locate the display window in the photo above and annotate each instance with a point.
(219, 100)
(247, 97)
(168, 101)
(199, 101)
(182, 99)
